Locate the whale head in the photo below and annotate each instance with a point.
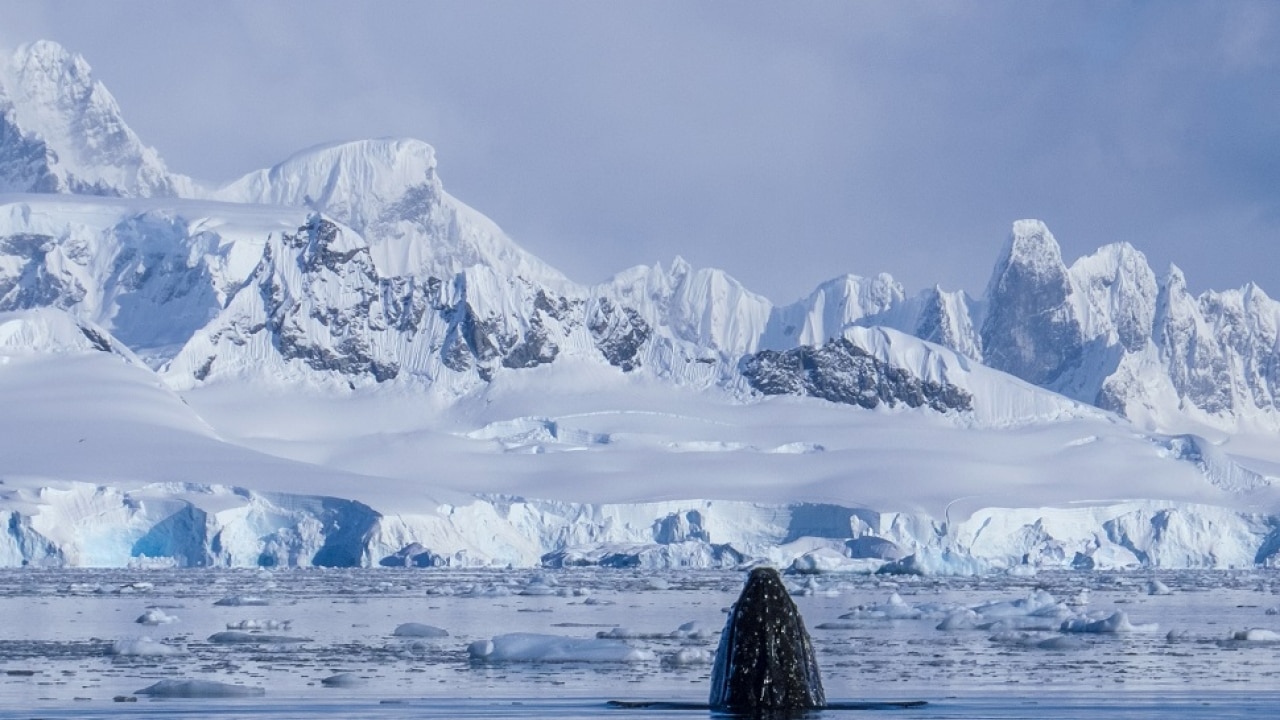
(765, 663)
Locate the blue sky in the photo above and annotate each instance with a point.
(785, 143)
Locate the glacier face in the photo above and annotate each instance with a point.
(348, 271)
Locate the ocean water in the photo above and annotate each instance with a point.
(64, 633)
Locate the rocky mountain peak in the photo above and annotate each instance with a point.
(64, 131)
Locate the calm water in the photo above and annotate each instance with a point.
(59, 629)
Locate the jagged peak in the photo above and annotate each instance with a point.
(53, 96)
(1031, 243)
(1174, 279)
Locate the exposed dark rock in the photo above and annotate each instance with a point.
(842, 372)
(619, 333)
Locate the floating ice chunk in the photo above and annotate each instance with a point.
(343, 680)
(234, 637)
(533, 647)
(1037, 641)
(488, 591)
(797, 448)
(688, 631)
(260, 625)
(894, 609)
(135, 587)
(155, 616)
(1038, 604)
(1257, 635)
(965, 619)
(419, 630)
(830, 560)
(199, 689)
(1117, 622)
(144, 647)
(1060, 642)
(241, 601)
(1155, 587)
(688, 656)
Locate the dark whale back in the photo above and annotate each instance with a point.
(765, 661)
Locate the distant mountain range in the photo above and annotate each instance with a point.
(348, 266)
(380, 274)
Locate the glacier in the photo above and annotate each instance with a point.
(334, 362)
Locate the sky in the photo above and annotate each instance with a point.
(786, 143)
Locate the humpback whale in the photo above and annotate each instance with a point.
(765, 665)
(765, 661)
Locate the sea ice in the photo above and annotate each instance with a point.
(199, 689)
(235, 637)
(143, 646)
(155, 616)
(241, 601)
(533, 647)
(1258, 635)
(260, 625)
(343, 680)
(1117, 622)
(419, 630)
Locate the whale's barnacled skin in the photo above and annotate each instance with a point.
(765, 661)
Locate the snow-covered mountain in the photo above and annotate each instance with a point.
(62, 131)
(341, 315)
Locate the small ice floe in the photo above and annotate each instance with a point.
(83, 589)
(419, 630)
(1273, 611)
(242, 601)
(1038, 604)
(1256, 635)
(235, 637)
(894, 609)
(343, 680)
(1155, 587)
(534, 647)
(1038, 641)
(829, 560)
(260, 625)
(199, 689)
(964, 619)
(688, 631)
(1080, 599)
(487, 591)
(1117, 622)
(541, 585)
(1177, 636)
(155, 616)
(143, 647)
(685, 657)
(135, 587)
